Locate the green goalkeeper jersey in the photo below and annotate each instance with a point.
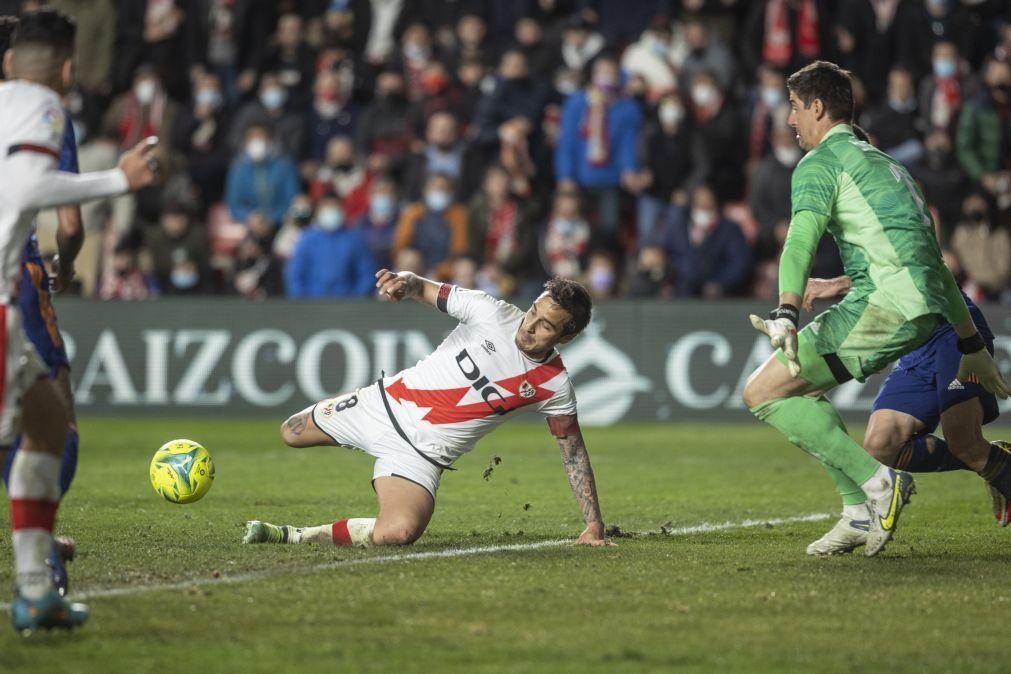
(879, 219)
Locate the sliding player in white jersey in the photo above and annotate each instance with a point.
(498, 362)
(38, 66)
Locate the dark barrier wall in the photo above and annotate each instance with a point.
(636, 361)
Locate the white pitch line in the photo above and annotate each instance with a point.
(129, 590)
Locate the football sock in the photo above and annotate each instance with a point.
(813, 425)
(357, 531)
(850, 491)
(68, 465)
(34, 492)
(997, 471)
(925, 453)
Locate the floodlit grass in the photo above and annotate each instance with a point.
(737, 599)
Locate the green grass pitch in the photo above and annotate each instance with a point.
(728, 600)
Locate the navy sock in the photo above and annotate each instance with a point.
(926, 453)
(68, 463)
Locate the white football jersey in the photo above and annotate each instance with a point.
(475, 380)
(31, 120)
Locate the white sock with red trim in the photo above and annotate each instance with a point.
(357, 531)
(34, 491)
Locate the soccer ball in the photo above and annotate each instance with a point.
(182, 471)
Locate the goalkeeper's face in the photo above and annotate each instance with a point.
(803, 120)
(542, 328)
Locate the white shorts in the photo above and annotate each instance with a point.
(359, 420)
(22, 367)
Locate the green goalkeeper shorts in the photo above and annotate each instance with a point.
(856, 338)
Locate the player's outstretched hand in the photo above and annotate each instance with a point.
(819, 289)
(140, 164)
(393, 285)
(782, 335)
(593, 535)
(980, 368)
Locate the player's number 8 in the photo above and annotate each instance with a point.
(350, 401)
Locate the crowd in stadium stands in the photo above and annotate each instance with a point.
(638, 145)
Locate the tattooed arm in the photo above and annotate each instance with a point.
(577, 467)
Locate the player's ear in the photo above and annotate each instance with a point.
(818, 108)
(8, 62)
(67, 74)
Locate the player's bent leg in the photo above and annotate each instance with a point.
(405, 509)
(300, 430)
(888, 432)
(963, 430)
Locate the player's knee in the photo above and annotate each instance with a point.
(754, 393)
(883, 446)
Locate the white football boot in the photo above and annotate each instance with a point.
(847, 535)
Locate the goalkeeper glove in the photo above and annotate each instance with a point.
(781, 327)
(977, 366)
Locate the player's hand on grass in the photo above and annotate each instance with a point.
(140, 164)
(980, 368)
(593, 535)
(393, 285)
(782, 334)
(822, 289)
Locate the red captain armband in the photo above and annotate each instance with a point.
(443, 298)
(33, 147)
(562, 427)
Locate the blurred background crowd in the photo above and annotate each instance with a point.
(638, 145)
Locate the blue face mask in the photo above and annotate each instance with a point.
(382, 208)
(273, 97)
(330, 219)
(772, 96)
(944, 67)
(437, 200)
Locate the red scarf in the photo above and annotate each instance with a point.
(594, 129)
(945, 102)
(778, 47)
(500, 239)
(134, 125)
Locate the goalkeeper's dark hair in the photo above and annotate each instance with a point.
(47, 27)
(575, 299)
(829, 83)
(7, 26)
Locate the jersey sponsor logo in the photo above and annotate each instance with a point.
(498, 398)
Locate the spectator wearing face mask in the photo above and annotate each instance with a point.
(125, 280)
(443, 152)
(179, 253)
(984, 133)
(200, 137)
(706, 53)
(502, 228)
(345, 176)
(436, 227)
(228, 38)
(271, 104)
(768, 105)
(650, 58)
(416, 52)
(292, 59)
(531, 37)
(145, 110)
(260, 178)
(769, 193)
(330, 260)
(983, 250)
(581, 43)
(384, 126)
(649, 277)
(516, 95)
(894, 123)
(566, 237)
(258, 273)
(942, 179)
(597, 147)
(933, 20)
(716, 122)
(379, 222)
(439, 93)
(941, 92)
(708, 252)
(333, 113)
(298, 217)
(673, 161)
(601, 275)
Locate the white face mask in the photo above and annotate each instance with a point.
(787, 155)
(184, 278)
(703, 95)
(772, 97)
(670, 114)
(437, 200)
(330, 219)
(210, 98)
(257, 149)
(702, 217)
(145, 91)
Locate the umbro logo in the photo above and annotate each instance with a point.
(956, 385)
(488, 347)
